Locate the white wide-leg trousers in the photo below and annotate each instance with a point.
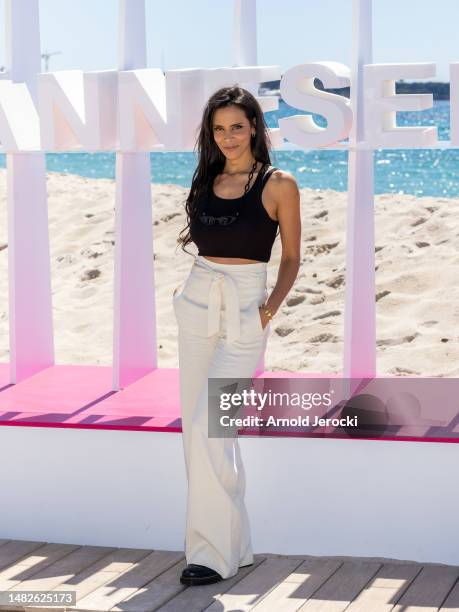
(219, 335)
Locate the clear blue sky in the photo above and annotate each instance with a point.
(197, 33)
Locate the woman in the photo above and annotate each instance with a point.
(235, 206)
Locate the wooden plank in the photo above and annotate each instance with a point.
(106, 569)
(14, 550)
(63, 569)
(429, 589)
(155, 593)
(342, 587)
(131, 580)
(298, 586)
(386, 588)
(27, 565)
(249, 591)
(197, 598)
(451, 603)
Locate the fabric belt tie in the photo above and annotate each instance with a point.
(233, 319)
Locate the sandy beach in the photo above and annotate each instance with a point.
(417, 271)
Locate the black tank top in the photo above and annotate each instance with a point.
(235, 227)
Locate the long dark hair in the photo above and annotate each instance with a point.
(211, 159)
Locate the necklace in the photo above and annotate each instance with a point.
(254, 167)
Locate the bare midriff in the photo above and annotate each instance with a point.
(231, 260)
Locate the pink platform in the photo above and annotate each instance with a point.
(82, 397)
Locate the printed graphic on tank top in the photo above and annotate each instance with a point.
(235, 227)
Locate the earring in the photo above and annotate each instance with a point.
(253, 135)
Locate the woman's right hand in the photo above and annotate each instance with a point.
(264, 318)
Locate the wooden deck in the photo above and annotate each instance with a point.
(142, 580)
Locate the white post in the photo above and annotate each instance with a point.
(245, 54)
(29, 274)
(360, 309)
(134, 337)
(245, 33)
(245, 37)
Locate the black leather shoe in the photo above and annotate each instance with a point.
(199, 574)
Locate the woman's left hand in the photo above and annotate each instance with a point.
(264, 318)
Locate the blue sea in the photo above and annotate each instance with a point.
(423, 172)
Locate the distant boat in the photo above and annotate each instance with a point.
(267, 90)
